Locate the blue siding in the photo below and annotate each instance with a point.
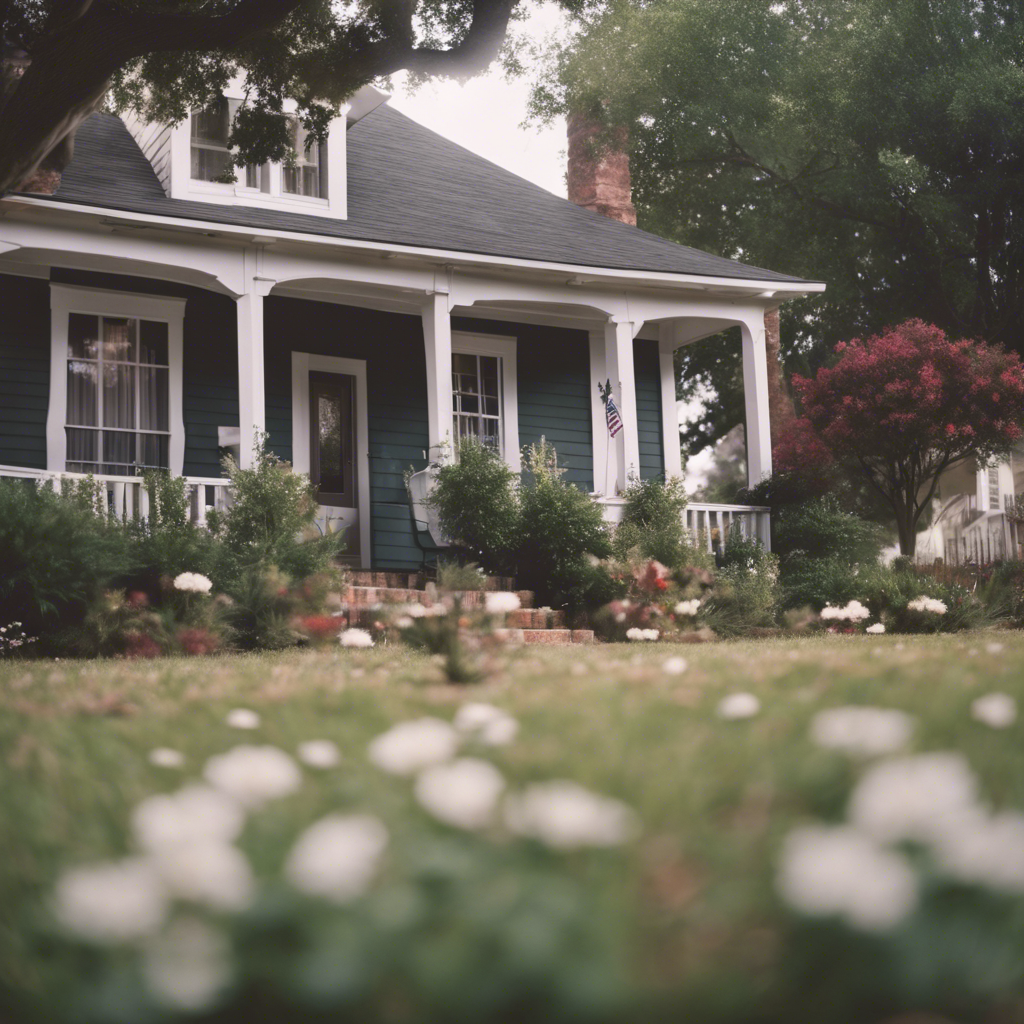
(24, 370)
(647, 369)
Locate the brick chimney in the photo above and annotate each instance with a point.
(598, 172)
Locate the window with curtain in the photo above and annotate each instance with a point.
(476, 398)
(118, 401)
(305, 176)
(993, 488)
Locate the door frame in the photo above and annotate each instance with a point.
(302, 364)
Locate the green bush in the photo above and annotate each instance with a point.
(745, 594)
(454, 575)
(58, 555)
(652, 522)
(477, 502)
(563, 535)
(821, 528)
(817, 582)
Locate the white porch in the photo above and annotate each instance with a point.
(612, 307)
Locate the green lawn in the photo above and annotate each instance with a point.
(689, 907)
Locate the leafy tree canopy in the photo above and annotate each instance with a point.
(877, 145)
(165, 57)
(900, 408)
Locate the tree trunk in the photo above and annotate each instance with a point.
(780, 405)
(906, 528)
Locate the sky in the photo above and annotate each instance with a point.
(486, 113)
(486, 116)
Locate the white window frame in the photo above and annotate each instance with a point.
(184, 186)
(505, 348)
(67, 299)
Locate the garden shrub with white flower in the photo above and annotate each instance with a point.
(772, 830)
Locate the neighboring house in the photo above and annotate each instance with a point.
(970, 523)
(386, 293)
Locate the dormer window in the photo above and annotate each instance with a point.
(306, 175)
(211, 157)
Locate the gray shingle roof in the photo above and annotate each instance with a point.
(406, 186)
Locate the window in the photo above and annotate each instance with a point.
(115, 383)
(484, 399)
(993, 487)
(211, 157)
(303, 176)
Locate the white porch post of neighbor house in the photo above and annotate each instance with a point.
(618, 368)
(755, 394)
(252, 401)
(669, 415)
(437, 341)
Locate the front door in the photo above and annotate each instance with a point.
(332, 463)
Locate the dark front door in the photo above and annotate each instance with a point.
(332, 440)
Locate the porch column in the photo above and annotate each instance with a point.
(618, 368)
(252, 401)
(437, 341)
(755, 394)
(669, 416)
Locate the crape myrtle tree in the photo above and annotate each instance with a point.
(61, 58)
(901, 407)
(876, 145)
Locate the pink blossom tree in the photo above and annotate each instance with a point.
(902, 407)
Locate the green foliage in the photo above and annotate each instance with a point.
(563, 536)
(57, 555)
(478, 505)
(445, 636)
(867, 143)
(455, 575)
(652, 522)
(821, 528)
(744, 597)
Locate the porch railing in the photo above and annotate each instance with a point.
(125, 497)
(708, 522)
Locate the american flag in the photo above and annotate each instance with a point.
(612, 415)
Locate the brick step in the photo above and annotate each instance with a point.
(535, 618)
(413, 580)
(558, 637)
(361, 597)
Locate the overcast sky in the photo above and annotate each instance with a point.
(485, 114)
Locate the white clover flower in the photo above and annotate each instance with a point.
(486, 723)
(252, 775)
(927, 604)
(193, 814)
(164, 757)
(985, 850)
(338, 857)
(463, 793)
(738, 705)
(877, 629)
(565, 816)
(192, 582)
(208, 872)
(412, 746)
(853, 611)
(355, 638)
(500, 602)
(994, 648)
(918, 797)
(243, 718)
(119, 901)
(187, 966)
(688, 608)
(839, 871)
(319, 753)
(635, 633)
(866, 731)
(675, 666)
(413, 611)
(998, 710)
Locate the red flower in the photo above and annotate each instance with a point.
(320, 627)
(138, 599)
(198, 641)
(141, 645)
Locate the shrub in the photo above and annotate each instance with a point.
(57, 555)
(477, 502)
(817, 582)
(821, 528)
(453, 575)
(652, 522)
(745, 594)
(563, 536)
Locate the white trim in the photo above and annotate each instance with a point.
(755, 396)
(66, 299)
(598, 425)
(672, 455)
(302, 363)
(505, 347)
(647, 279)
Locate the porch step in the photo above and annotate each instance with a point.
(365, 597)
(535, 618)
(559, 637)
(413, 580)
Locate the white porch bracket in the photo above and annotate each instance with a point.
(252, 394)
(437, 342)
(755, 394)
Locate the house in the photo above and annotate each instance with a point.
(383, 294)
(972, 520)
